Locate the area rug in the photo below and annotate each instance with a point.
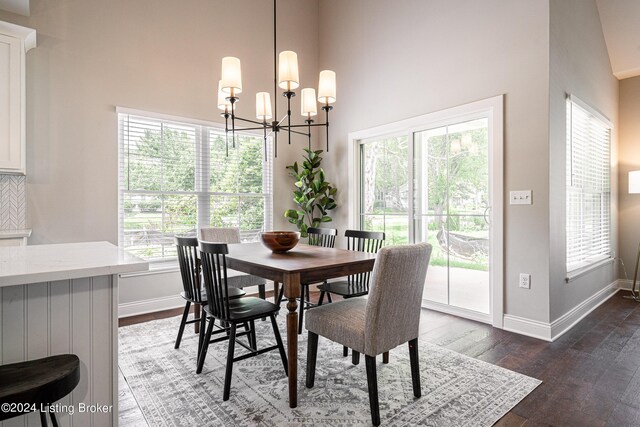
(456, 390)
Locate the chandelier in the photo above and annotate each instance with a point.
(230, 87)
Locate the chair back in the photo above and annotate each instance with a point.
(395, 297)
(325, 237)
(363, 241)
(220, 234)
(214, 272)
(189, 266)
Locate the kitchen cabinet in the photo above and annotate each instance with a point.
(15, 42)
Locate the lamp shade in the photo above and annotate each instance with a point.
(634, 182)
(288, 70)
(223, 104)
(327, 87)
(263, 106)
(308, 102)
(231, 76)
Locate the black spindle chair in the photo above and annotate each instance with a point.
(356, 285)
(325, 237)
(232, 312)
(193, 293)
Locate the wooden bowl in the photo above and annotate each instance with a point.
(280, 241)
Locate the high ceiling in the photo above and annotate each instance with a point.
(621, 27)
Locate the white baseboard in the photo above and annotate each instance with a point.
(149, 306)
(569, 319)
(554, 330)
(624, 284)
(528, 327)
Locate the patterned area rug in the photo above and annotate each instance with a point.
(456, 390)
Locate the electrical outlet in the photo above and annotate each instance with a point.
(525, 280)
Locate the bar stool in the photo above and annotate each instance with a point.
(35, 384)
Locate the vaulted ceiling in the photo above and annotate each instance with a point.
(620, 21)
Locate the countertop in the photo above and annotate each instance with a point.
(12, 234)
(43, 263)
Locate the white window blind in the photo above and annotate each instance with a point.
(175, 177)
(588, 186)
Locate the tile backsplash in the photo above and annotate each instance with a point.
(13, 202)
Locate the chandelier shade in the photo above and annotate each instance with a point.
(231, 76)
(263, 106)
(327, 87)
(288, 77)
(308, 102)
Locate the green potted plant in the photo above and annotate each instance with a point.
(313, 196)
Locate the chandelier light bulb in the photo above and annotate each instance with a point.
(231, 76)
(308, 102)
(288, 70)
(263, 106)
(327, 87)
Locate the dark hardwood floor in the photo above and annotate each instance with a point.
(590, 375)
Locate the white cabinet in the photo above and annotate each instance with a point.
(15, 41)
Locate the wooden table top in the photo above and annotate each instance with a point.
(302, 258)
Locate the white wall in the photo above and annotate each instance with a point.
(579, 65)
(410, 57)
(160, 56)
(629, 155)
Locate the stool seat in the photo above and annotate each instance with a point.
(39, 382)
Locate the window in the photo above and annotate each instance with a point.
(175, 177)
(588, 186)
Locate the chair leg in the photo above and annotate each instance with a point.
(183, 322)
(385, 357)
(280, 296)
(229, 369)
(283, 353)
(321, 298)
(43, 419)
(372, 382)
(329, 298)
(249, 336)
(415, 368)
(252, 326)
(262, 294)
(205, 347)
(54, 421)
(312, 355)
(355, 357)
(345, 351)
(301, 315)
(203, 325)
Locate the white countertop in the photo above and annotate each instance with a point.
(43, 263)
(11, 234)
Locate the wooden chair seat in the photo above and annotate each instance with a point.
(39, 382)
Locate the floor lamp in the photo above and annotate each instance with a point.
(634, 188)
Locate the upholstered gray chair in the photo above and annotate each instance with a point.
(236, 279)
(390, 316)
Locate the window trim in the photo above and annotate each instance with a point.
(170, 263)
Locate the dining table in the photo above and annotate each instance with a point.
(302, 264)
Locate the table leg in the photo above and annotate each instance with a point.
(291, 285)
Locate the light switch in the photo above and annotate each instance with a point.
(522, 197)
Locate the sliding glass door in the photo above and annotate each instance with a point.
(438, 179)
(451, 212)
